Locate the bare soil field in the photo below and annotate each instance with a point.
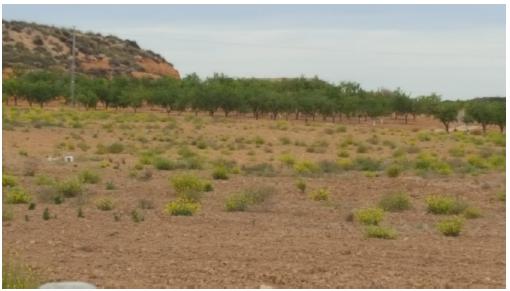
(116, 231)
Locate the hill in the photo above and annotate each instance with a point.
(35, 46)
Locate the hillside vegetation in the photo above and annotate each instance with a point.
(35, 46)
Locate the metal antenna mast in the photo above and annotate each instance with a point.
(73, 68)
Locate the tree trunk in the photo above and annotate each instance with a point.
(447, 126)
(405, 118)
(484, 127)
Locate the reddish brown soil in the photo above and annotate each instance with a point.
(288, 242)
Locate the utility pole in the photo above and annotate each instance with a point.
(73, 68)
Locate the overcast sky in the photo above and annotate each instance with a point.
(457, 51)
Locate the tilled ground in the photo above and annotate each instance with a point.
(288, 242)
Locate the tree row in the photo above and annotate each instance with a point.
(297, 98)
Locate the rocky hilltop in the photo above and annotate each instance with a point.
(35, 46)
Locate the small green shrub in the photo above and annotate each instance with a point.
(438, 204)
(362, 148)
(345, 164)
(188, 184)
(287, 159)
(46, 214)
(429, 162)
(321, 194)
(369, 216)
(31, 206)
(366, 164)
(115, 148)
(110, 185)
(18, 276)
(17, 195)
(43, 180)
(301, 185)
(478, 162)
(306, 167)
(89, 177)
(208, 187)
(260, 194)
(236, 202)
(423, 136)
(137, 216)
(220, 173)
(497, 138)
(58, 198)
(70, 188)
(395, 202)
(182, 207)
(393, 171)
(9, 181)
(450, 226)
(472, 213)
(163, 164)
(375, 231)
(105, 204)
(259, 140)
(343, 154)
(242, 200)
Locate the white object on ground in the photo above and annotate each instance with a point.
(67, 285)
(52, 159)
